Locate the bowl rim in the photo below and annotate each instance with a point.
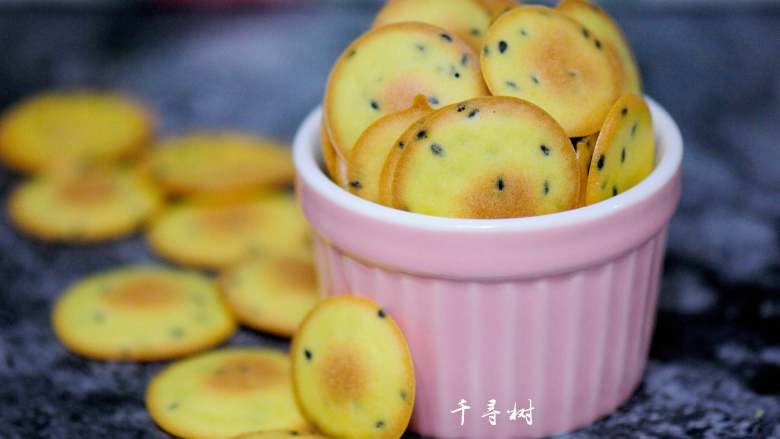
(669, 152)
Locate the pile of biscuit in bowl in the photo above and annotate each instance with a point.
(455, 108)
(526, 111)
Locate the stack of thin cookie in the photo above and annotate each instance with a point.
(487, 109)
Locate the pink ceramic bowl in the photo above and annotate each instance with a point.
(558, 309)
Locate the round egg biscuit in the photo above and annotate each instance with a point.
(596, 21)
(225, 393)
(353, 383)
(540, 55)
(492, 157)
(375, 144)
(216, 236)
(141, 313)
(96, 205)
(272, 293)
(382, 71)
(468, 19)
(625, 150)
(220, 162)
(65, 130)
(335, 166)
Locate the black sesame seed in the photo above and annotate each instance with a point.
(486, 50)
(535, 79)
(624, 112)
(401, 145)
(381, 313)
(380, 424)
(614, 190)
(351, 53)
(375, 105)
(436, 149)
(585, 33)
(623, 155)
(502, 46)
(473, 113)
(457, 75)
(598, 44)
(546, 187)
(461, 108)
(446, 37)
(571, 73)
(474, 31)
(512, 84)
(174, 405)
(633, 129)
(600, 163)
(420, 48)
(433, 100)
(307, 353)
(422, 134)
(356, 184)
(294, 433)
(464, 61)
(500, 184)
(523, 32)
(545, 149)
(403, 395)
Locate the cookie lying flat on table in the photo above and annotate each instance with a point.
(294, 434)
(602, 26)
(334, 164)
(65, 130)
(96, 205)
(382, 71)
(272, 293)
(141, 313)
(353, 383)
(491, 157)
(584, 148)
(220, 162)
(625, 150)
(224, 393)
(375, 144)
(468, 19)
(540, 55)
(217, 236)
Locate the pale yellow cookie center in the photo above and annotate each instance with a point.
(144, 292)
(245, 374)
(344, 375)
(88, 190)
(228, 220)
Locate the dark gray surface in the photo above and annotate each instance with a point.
(715, 366)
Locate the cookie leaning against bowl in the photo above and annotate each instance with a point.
(625, 150)
(596, 21)
(216, 236)
(584, 148)
(334, 164)
(468, 19)
(382, 71)
(491, 157)
(141, 313)
(58, 130)
(375, 144)
(353, 383)
(224, 393)
(96, 205)
(272, 293)
(540, 55)
(220, 162)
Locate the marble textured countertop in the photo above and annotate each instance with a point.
(715, 357)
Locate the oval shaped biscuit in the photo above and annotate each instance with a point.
(68, 130)
(492, 157)
(625, 150)
(272, 293)
(540, 55)
(225, 393)
(353, 384)
(96, 205)
(468, 19)
(382, 71)
(602, 26)
(375, 144)
(141, 313)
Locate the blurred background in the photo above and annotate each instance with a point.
(261, 66)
